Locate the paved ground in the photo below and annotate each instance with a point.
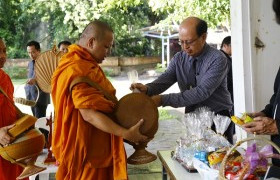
(168, 132)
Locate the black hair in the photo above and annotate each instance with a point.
(201, 27)
(64, 42)
(35, 44)
(226, 40)
(276, 8)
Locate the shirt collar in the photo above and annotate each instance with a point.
(204, 50)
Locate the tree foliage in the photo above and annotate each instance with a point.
(213, 12)
(49, 21)
(15, 25)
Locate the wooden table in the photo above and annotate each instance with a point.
(173, 169)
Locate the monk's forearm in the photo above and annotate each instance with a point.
(103, 122)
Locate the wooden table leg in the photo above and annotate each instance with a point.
(164, 173)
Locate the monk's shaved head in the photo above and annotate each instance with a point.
(96, 29)
(97, 38)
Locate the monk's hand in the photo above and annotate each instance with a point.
(5, 138)
(138, 86)
(134, 135)
(262, 125)
(31, 81)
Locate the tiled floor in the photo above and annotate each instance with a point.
(150, 176)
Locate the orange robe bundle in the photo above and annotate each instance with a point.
(83, 151)
(8, 116)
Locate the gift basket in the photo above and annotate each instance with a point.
(254, 162)
(199, 140)
(234, 162)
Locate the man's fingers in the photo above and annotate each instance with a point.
(250, 114)
(258, 118)
(255, 129)
(249, 125)
(132, 86)
(251, 129)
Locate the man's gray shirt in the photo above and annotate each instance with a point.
(211, 82)
(32, 92)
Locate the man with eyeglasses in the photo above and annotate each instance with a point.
(200, 72)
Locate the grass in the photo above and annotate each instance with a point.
(159, 68)
(18, 81)
(164, 114)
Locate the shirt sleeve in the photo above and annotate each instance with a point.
(209, 82)
(268, 110)
(164, 81)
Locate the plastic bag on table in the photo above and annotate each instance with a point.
(221, 124)
(195, 130)
(205, 171)
(206, 116)
(184, 156)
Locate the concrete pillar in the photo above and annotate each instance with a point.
(162, 52)
(255, 54)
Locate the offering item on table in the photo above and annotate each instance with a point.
(254, 162)
(130, 109)
(199, 139)
(28, 144)
(245, 118)
(216, 156)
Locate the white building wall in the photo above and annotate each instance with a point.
(254, 68)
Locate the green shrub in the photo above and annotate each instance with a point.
(19, 81)
(164, 114)
(16, 72)
(159, 68)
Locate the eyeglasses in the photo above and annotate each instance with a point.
(181, 43)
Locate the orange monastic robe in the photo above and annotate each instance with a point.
(8, 171)
(83, 151)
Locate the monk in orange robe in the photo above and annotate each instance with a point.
(8, 116)
(87, 143)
